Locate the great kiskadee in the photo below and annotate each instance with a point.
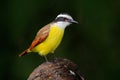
(49, 37)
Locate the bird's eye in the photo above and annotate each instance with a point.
(65, 19)
(61, 19)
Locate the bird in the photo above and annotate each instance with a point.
(50, 36)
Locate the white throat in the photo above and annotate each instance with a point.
(61, 24)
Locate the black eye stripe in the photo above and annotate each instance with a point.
(61, 19)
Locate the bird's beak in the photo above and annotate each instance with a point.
(73, 21)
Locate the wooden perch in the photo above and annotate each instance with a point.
(56, 69)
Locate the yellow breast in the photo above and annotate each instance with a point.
(52, 41)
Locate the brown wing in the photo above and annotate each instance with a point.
(41, 36)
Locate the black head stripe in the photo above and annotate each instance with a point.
(61, 19)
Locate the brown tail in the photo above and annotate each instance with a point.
(23, 53)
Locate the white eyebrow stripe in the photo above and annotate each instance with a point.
(64, 15)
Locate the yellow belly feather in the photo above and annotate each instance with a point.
(51, 43)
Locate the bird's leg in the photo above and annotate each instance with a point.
(46, 59)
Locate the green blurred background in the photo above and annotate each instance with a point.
(93, 44)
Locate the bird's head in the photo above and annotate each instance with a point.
(64, 20)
